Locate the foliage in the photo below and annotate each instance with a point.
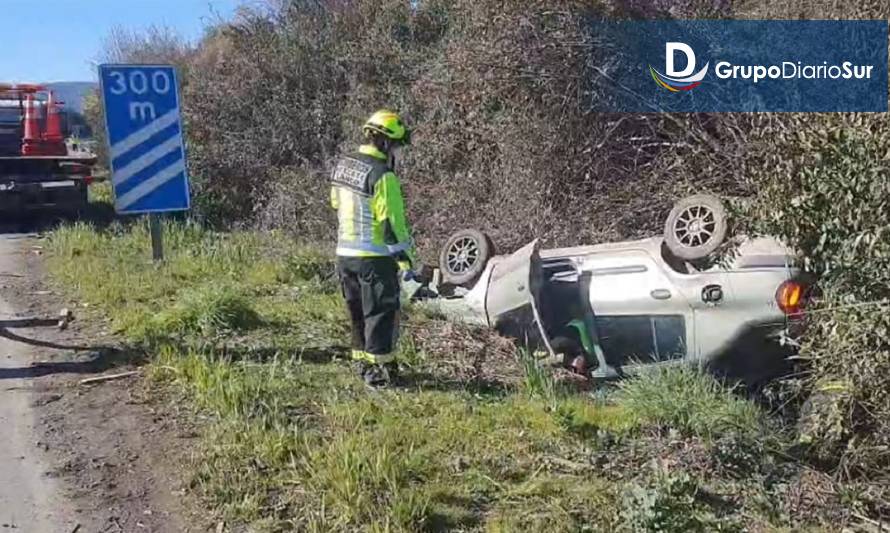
(207, 311)
(240, 322)
(249, 329)
(663, 500)
(500, 96)
(667, 502)
(836, 210)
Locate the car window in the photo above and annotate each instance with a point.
(670, 336)
(642, 338)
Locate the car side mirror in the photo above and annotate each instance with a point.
(712, 294)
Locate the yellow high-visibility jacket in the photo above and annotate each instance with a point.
(370, 208)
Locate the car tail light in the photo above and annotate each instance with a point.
(88, 180)
(790, 297)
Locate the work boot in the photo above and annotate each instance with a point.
(374, 376)
(392, 370)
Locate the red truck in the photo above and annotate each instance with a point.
(38, 169)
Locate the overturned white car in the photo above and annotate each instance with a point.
(611, 309)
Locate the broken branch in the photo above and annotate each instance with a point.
(110, 377)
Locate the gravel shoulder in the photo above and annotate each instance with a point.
(87, 458)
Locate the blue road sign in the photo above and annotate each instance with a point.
(145, 145)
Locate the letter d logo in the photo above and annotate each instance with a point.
(674, 80)
(670, 50)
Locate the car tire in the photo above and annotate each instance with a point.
(464, 256)
(696, 227)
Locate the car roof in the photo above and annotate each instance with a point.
(651, 245)
(757, 252)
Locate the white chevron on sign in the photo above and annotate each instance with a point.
(150, 185)
(135, 139)
(147, 159)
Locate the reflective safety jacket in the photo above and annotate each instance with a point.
(370, 209)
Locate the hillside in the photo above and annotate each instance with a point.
(72, 93)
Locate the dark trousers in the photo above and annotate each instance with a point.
(371, 289)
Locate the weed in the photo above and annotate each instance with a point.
(206, 310)
(361, 480)
(690, 401)
(538, 380)
(664, 501)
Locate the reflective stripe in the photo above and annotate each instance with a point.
(349, 252)
(365, 219)
(347, 206)
(360, 234)
(363, 356)
(382, 359)
(400, 247)
(367, 248)
(367, 357)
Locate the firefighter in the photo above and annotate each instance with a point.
(373, 244)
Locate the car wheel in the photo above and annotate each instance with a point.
(464, 256)
(696, 227)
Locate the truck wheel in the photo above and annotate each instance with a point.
(464, 256)
(696, 227)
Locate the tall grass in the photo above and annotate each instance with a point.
(298, 445)
(688, 400)
(245, 325)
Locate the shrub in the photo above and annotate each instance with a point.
(834, 209)
(500, 94)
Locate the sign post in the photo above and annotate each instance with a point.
(145, 143)
(157, 237)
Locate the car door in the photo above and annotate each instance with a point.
(712, 306)
(511, 299)
(642, 319)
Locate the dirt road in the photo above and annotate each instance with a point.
(30, 500)
(91, 459)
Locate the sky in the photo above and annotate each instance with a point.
(59, 40)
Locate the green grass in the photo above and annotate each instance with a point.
(683, 399)
(245, 326)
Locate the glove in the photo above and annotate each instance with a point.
(408, 275)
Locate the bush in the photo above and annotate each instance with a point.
(500, 95)
(834, 209)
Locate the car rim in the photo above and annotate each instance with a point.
(463, 255)
(695, 226)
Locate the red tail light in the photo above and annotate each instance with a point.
(88, 180)
(790, 297)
